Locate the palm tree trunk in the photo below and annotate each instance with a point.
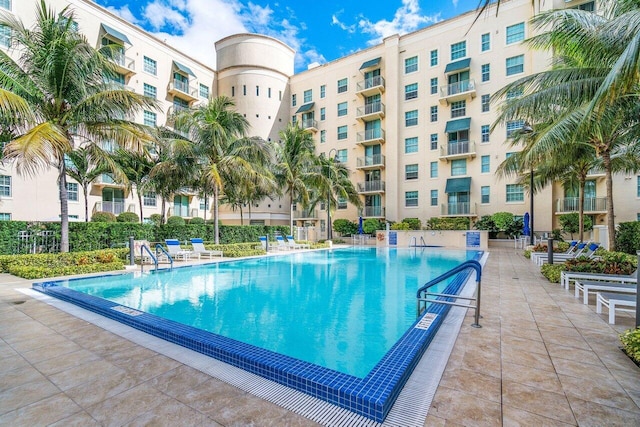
(64, 207)
(140, 204)
(215, 213)
(85, 187)
(163, 205)
(611, 225)
(241, 216)
(206, 207)
(581, 208)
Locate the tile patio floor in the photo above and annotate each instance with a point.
(541, 358)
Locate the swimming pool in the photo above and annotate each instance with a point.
(336, 324)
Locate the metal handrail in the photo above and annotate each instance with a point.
(153, 257)
(422, 241)
(422, 294)
(414, 240)
(160, 248)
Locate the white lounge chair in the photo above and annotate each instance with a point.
(176, 252)
(281, 244)
(573, 247)
(614, 302)
(198, 247)
(587, 286)
(295, 245)
(566, 277)
(588, 252)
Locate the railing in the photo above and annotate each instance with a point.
(154, 258)
(116, 207)
(370, 186)
(309, 124)
(422, 295)
(461, 208)
(370, 135)
(373, 211)
(591, 204)
(414, 240)
(373, 108)
(457, 148)
(305, 214)
(370, 83)
(458, 87)
(124, 61)
(161, 249)
(183, 87)
(373, 160)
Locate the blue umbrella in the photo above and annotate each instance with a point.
(360, 229)
(525, 229)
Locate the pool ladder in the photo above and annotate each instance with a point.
(155, 257)
(423, 295)
(414, 240)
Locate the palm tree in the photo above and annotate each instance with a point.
(56, 94)
(135, 169)
(295, 164)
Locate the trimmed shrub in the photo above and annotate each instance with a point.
(610, 263)
(175, 220)
(345, 227)
(413, 223)
(628, 237)
(128, 217)
(486, 223)
(631, 344)
(400, 226)
(156, 219)
(552, 272)
(371, 225)
(196, 220)
(103, 217)
(460, 223)
(569, 223)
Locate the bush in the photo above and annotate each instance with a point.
(156, 219)
(371, 225)
(610, 263)
(506, 222)
(175, 220)
(128, 217)
(414, 223)
(569, 223)
(628, 237)
(552, 272)
(631, 344)
(486, 223)
(345, 227)
(448, 223)
(103, 217)
(400, 226)
(196, 220)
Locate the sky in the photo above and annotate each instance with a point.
(319, 31)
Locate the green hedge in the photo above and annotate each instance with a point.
(552, 272)
(460, 223)
(631, 344)
(628, 237)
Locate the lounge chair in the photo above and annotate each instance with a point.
(573, 246)
(263, 243)
(586, 286)
(281, 244)
(566, 277)
(588, 252)
(295, 245)
(614, 302)
(198, 247)
(176, 252)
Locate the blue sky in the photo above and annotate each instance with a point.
(319, 31)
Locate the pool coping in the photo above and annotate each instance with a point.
(371, 397)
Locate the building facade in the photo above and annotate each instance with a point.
(411, 118)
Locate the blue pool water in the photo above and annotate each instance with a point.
(342, 309)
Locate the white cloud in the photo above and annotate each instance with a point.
(336, 21)
(124, 12)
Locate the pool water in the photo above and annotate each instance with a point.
(341, 309)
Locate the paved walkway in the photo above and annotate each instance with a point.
(541, 358)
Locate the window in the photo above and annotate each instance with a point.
(5, 186)
(509, 154)
(204, 205)
(204, 91)
(411, 198)
(149, 65)
(342, 109)
(411, 145)
(515, 65)
(149, 91)
(486, 72)
(515, 33)
(433, 169)
(341, 156)
(268, 92)
(323, 91)
(5, 36)
(411, 91)
(485, 42)
(514, 93)
(411, 118)
(294, 100)
(7, 216)
(458, 108)
(5, 4)
(514, 126)
(484, 194)
(294, 119)
(458, 50)
(458, 167)
(485, 131)
(308, 95)
(342, 132)
(342, 203)
(638, 184)
(342, 85)
(149, 198)
(244, 90)
(515, 193)
(323, 113)
(411, 65)
(485, 164)
(149, 118)
(434, 197)
(484, 99)
(433, 57)
(72, 191)
(433, 116)
(233, 91)
(588, 7)
(434, 85)
(323, 136)
(411, 171)
(434, 141)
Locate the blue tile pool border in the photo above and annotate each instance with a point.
(371, 397)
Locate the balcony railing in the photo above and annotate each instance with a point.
(370, 85)
(183, 211)
(371, 187)
(124, 63)
(309, 124)
(372, 212)
(375, 160)
(305, 214)
(180, 87)
(591, 204)
(116, 206)
(370, 136)
(376, 109)
(458, 88)
(458, 209)
(458, 149)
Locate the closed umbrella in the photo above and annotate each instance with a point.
(360, 229)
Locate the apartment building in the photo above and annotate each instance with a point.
(410, 117)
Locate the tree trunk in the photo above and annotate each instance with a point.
(215, 214)
(241, 216)
(140, 203)
(163, 206)
(611, 224)
(64, 207)
(85, 187)
(581, 208)
(206, 207)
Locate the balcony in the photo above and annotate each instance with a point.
(375, 161)
(105, 181)
(371, 187)
(372, 212)
(124, 64)
(596, 173)
(458, 91)
(310, 124)
(370, 86)
(458, 150)
(369, 112)
(183, 211)
(306, 214)
(182, 90)
(592, 205)
(370, 137)
(458, 209)
(116, 206)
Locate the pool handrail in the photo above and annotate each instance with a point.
(422, 294)
(414, 240)
(153, 257)
(160, 248)
(422, 241)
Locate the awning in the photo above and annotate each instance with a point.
(183, 68)
(370, 63)
(305, 107)
(115, 34)
(458, 125)
(458, 185)
(463, 64)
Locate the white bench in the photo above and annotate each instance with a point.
(587, 286)
(615, 302)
